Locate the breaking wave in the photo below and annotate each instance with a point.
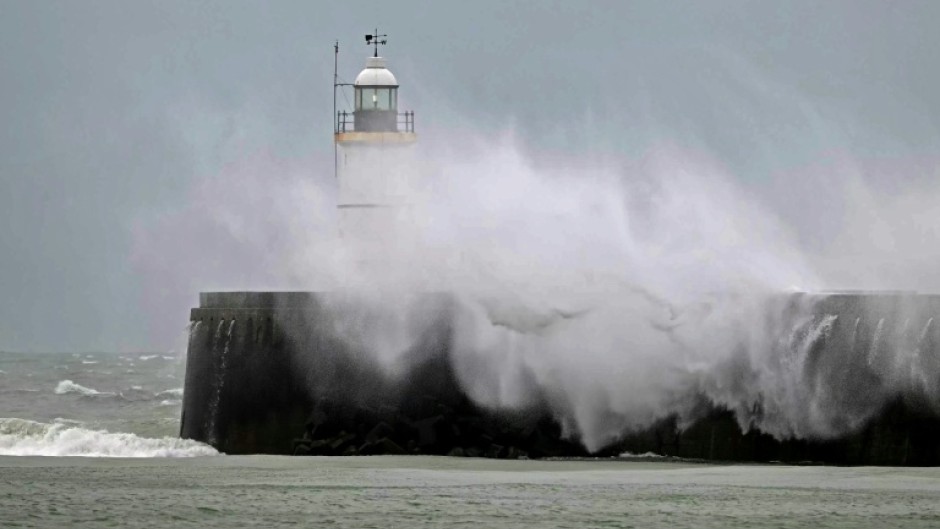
(175, 392)
(134, 393)
(21, 437)
(67, 386)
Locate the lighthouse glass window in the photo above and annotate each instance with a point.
(377, 98)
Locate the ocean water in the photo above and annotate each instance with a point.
(89, 441)
(387, 491)
(122, 405)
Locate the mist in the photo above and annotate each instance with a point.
(613, 290)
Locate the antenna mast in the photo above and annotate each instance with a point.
(374, 40)
(335, 115)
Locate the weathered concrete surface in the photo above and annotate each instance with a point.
(903, 433)
(266, 373)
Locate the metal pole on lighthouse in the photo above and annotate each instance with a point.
(335, 116)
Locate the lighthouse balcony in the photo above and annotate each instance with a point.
(375, 127)
(375, 121)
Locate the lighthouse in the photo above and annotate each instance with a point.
(375, 164)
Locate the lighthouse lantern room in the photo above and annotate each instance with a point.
(375, 117)
(376, 93)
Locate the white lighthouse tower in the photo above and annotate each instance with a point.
(375, 167)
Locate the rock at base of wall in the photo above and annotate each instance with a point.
(461, 430)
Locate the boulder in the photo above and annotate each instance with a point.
(495, 451)
(380, 430)
(427, 431)
(383, 446)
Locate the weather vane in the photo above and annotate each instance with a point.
(374, 40)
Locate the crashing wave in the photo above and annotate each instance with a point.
(175, 392)
(21, 437)
(67, 386)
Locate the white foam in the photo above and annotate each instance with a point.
(89, 362)
(644, 455)
(171, 402)
(175, 392)
(67, 386)
(147, 357)
(21, 437)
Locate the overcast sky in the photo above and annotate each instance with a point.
(112, 110)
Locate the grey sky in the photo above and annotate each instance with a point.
(110, 110)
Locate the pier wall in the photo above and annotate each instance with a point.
(268, 372)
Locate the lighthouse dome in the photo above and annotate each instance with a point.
(376, 74)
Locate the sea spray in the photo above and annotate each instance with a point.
(618, 300)
(214, 402)
(219, 382)
(615, 294)
(875, 351)
(608, 298)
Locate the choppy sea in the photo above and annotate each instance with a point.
(89, 440)
(94, 404)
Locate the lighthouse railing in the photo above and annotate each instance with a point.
(345, 122)
(406, 121)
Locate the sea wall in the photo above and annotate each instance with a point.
(275, 372)
(240, 393)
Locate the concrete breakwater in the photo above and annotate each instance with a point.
(269, 372)
(266, 373)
